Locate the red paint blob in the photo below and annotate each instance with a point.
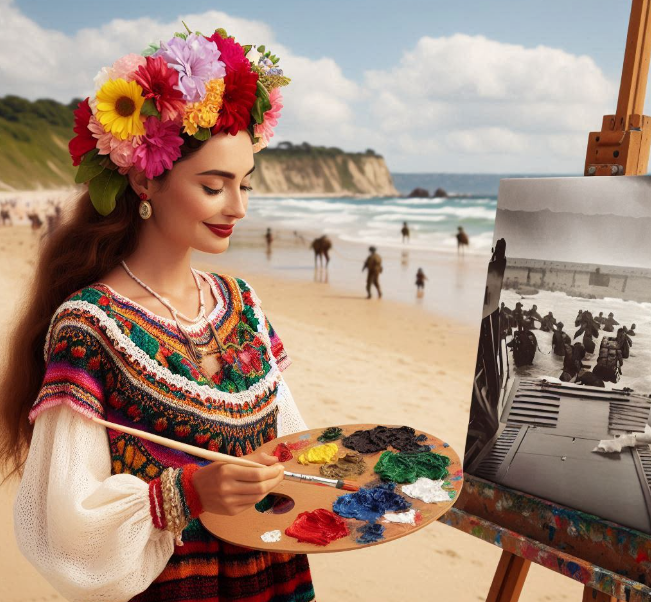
(282, 452)
(300, 444)
(319, 526)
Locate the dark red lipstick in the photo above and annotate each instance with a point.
(222, 230)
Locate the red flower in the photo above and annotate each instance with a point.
(218, 377)
(231, 53)
(158, 82)
(134, 412)
(83, 141)
(60, 346)
(93, 363)
(229, 356)
(201, 438)
(115, 401)
(182, 431)
(160, 424)
(214, 445)
(246, 297)
(250, 360)
(103, 300)
(78, 351)
(240, 86)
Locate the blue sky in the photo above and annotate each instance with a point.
(490, 86)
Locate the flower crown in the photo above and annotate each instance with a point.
(193, 85)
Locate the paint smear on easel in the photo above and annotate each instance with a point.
(296, 445)
(427, 490)
(370, 533)
(320, 527)
(351, 464)
(321, 454)
(271, 536)
(370, 504)
(282, 452)
(411, 517)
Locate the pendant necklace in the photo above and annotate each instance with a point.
(201, 318)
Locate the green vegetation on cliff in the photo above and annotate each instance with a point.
(34, 154)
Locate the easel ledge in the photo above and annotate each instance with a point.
(549, 533)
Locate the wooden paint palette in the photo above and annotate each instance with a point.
(246, 528)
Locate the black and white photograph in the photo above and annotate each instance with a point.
(565, 346)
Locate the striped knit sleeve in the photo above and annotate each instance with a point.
(76, 373)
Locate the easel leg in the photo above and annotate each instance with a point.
(592, 595)
(509, 578)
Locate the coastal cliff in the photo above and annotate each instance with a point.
(302, 169)
(34, 155)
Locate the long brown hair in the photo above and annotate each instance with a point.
(79, 252)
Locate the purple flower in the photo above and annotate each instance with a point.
(160, 147)
(197, 61)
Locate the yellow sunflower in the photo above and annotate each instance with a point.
(118, 108)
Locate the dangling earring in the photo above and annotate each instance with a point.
(144, 209)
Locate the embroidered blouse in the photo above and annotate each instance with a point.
(82, 515)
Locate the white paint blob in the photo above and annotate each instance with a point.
(271, 536)
(407, 518)
(427, 490)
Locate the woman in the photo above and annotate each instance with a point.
(166, 147)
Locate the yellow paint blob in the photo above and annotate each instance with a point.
(321, 454)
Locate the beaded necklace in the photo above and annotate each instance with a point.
(196, 354)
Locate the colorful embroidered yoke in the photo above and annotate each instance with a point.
(110, 357)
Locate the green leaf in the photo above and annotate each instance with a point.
(105, 188)
(179, 34)
(247, 48)
(261, 104)
(89, 167)
(150, 49)
(261, 49)
(202, 134)
(149, 108)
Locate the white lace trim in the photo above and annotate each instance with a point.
(139, 357)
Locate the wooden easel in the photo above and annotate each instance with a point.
(616, 566)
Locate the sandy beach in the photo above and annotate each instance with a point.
(394, 361)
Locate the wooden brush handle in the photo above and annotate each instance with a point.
(206, 454)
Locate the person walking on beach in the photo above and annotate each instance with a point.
(420, 282)
(373, 264)
(268, 237)
(5, 213)
(631, 330)
(119, 325)
(610, 323)
(405, 232)
(462, 240)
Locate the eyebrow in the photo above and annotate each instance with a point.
(224, 174)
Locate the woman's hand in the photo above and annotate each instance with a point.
(231, 489)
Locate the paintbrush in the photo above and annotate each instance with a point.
(207, 454)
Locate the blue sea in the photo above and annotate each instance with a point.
(433, 222)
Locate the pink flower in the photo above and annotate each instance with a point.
(120, 151)
(231, 53)
(127, 66)
(264, 130)
(160, 147)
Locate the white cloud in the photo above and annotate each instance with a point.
(457, 103)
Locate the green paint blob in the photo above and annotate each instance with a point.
(330, 434)
(409, 467)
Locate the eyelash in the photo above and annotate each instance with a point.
(213, 192)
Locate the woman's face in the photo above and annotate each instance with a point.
(205, 195)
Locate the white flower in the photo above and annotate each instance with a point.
(253, 55)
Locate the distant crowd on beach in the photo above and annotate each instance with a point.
(322, 246)
(51, 215)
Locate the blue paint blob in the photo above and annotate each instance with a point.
(369, 533)
(552, 532)
(446, 445)
(306, 436)
(573, 568)
(370, 504)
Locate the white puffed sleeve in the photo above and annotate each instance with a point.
(289, 418)
(89, 533)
